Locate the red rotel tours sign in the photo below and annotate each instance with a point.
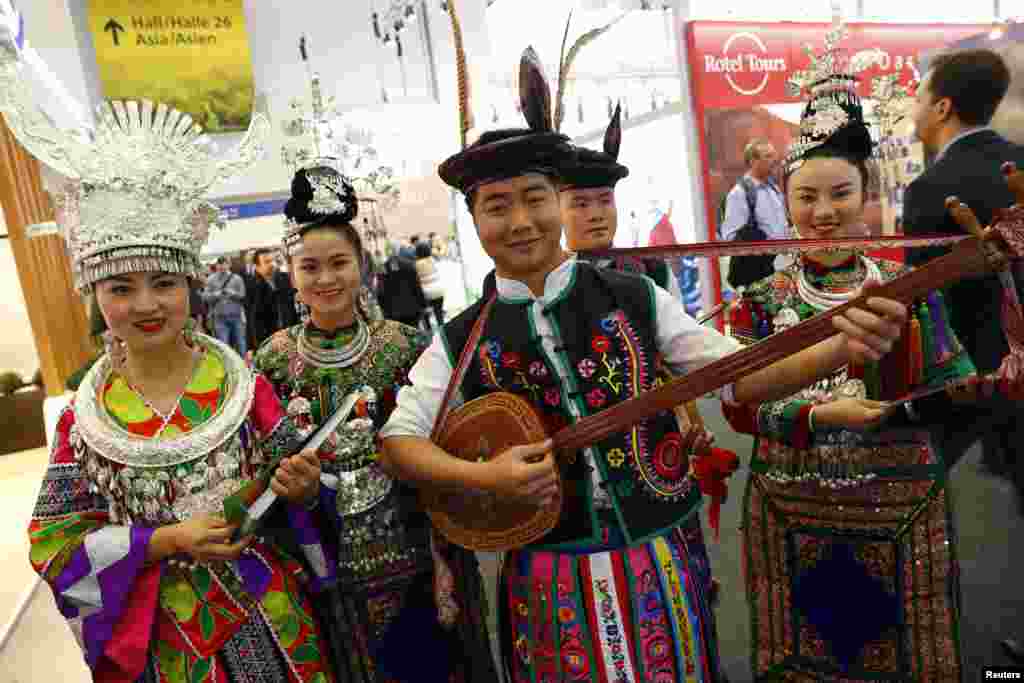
(736, 64)
(737, 69)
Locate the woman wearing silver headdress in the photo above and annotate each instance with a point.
(849, 549)
(397, 620)
(169, 432)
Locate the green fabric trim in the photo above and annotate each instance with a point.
(514, 302)
(559, 361)
(565, 290)
(452, 359)
(661, 274)
(791, 419)
(653, 308)
(927, 336)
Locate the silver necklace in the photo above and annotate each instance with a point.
(824, 301)
(335, 358)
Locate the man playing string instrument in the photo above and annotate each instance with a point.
(574, 339)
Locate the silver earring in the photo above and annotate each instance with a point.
(115, 350)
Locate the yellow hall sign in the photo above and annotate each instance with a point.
(189, 54)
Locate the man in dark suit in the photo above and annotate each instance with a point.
(954, 104)
(400, 294)
(271, 298)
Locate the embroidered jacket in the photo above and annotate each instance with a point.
(116, 475)
(381, 530)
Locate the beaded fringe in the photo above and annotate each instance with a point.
(133, 260)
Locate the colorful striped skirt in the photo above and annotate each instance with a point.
(611, 614)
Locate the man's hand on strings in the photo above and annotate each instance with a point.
(525, 473)
(869, 333)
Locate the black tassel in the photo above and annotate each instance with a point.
(613, 135)
(534, 93)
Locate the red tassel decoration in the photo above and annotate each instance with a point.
(712, 469)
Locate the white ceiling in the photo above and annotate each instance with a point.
(353, 68)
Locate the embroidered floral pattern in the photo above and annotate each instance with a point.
(600, 344)
(616, 457)
(586, 368)
(553, 397)
(508, 371)
(596, 398)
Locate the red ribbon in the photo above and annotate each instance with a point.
(712, 468)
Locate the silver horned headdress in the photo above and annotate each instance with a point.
(133, 196)
(830, 85)
(318, 153)
(891, 99)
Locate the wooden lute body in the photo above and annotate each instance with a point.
(485, 427)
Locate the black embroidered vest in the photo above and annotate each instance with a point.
(605, 345)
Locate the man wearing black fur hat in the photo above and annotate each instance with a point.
(616, 587)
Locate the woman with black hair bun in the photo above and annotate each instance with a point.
(848, 542)
(397, 619)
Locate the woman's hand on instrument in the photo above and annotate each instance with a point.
(208, 538)
(696, 439)
(972, 388)
(868, 334)
(849, 413)
(525, 472)
(297, 479)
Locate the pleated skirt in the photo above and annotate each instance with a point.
(611, 614)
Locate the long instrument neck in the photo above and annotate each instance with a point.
(966, 259)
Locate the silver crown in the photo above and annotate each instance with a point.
(318, 151)
(133, 198)
(829, 81)
(891, 98)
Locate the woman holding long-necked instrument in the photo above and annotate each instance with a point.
(131, 526)
(849, 551)
(396, 619)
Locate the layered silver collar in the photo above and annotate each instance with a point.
(102, 434)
